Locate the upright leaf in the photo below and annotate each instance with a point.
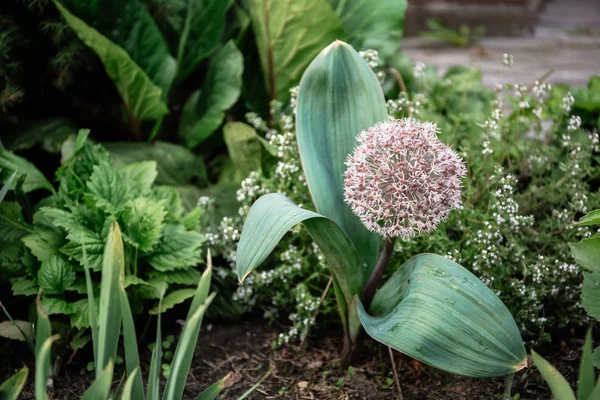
(436, 311)
(100, 388)
(42, 366)
(372, 24)
(128, 388)
(587, 376)
(272, 215)
(11, 163)
(154, 370)
(211, 392)
(558, 384)
(142, 96)
(205, 109)
(43, 330)
(130, 345)
(11, 388)
(339, 97)
(289, 34)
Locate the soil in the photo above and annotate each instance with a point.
(244, 349)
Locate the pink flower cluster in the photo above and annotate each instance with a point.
(401, 180)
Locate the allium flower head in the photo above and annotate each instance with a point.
(401, 180)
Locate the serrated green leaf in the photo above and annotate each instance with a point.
(171, 200)
(16, 329)
(34, 179)
(172, 299)
(188, 276)
(558, 384)
(191, 220)
(288, 41)
(143, 221)
(24, 287)
(43, 243)
(341, 90)
(12, 226)
(177, 249)
(53, 305)
(11, 388)
(272, 216)
(205, 109)
(436, 311)
(592, 218)
(370, 24)
(244, 147)
(107, 188)
(55, 275)
(139, 176)
(142, 95)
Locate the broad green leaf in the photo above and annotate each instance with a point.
(100, 388)
(42, 367)
(139, 176)
(205, 109)
(592, 218)
(11, 388)
(175, 164)
(189, 276)
(587, 376)
(289, 34)
(24, 287)
(129, 385)
(199, 27)
(12, 226)
(191, 220)
(177, 249)
(143, 221)
(272, 215)
(55, 275)
(244, 147)
(171, 200)
(372, 24)
(109, 318)
(142, 89)
(339, 97)
(130, 345)
(49, 133)
(436, 311)
(43, 243)
(54, 305)
(16, 330)
(34, 179)
(108, 189)
(590, 294)
(558, 384)
(172, 299)
(211, 392)
(11, 259)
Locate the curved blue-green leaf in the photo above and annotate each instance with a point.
(339, 97)
(272, 215)
(436, 311)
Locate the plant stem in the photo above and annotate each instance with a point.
(305, 336)
(508, 382)
(395, 373)
(382, 263)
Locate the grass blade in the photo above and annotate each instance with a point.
(129, 385)
(211, 392)
(91, 306)
(11, 388)
(42, 366)
(43, 330)
(109, 320)
(100, 389)
(257, 384)
(130, 344)
(154, 372)
(6, 186)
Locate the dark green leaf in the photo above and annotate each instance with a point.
(24, 287)
(587, 377)
(107, 188)
(143, 221)
(244, 147)
(211, 392)
(12, 226)
(50, 134)
(55, 275)
(189, 276)
(177, 249)
(34, 179)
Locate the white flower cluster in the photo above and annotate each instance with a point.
(567, 102)
(507, 60)
(372, 58)
(541, 90)
(419, 70)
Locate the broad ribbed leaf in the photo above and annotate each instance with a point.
(289, 34)
(587, 253)
(109, 318)
(244, 147)
(372, 24)
(11, 388)
(272, 215)
(177, 249)
(11, 163)
(142, 97)
(211, 392)
(100, 388)
(55, 275)
(143, 220)
(339, 97)
(205, 109)
(436, 311)
(590, 294)
(108, 189)
(558, 384)
(592, 218)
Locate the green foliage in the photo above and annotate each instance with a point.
(463, 37)
(55, 275)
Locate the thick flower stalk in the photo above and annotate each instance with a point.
(402, 181)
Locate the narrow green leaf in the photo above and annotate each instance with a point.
(130, 345)
(43, 329)
(287, 40)
(11, 163)
(587, 377)
(438, 312)
(211, 392)
(130, 384)
(100, 388)
(272, 215)
(142, 96)
(11, 388)
(154, 370)
(257, 384)
(558, 384)
(42, 366)
(7, 185)
(203, 287)
(91, 306)
(244, 147)
(205, 109)
(339, 97)
(592, 218)
(109, 319)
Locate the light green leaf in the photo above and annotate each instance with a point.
(205, 109)
(43, 243)
(139, 176)
(199, 27)
(7, 185)
(590, 294)
(272, 215)
(339, 97)
(171, 200)
(130, 383)
(244, 147)
(100, 388)
(189, 276)
(34, 179)
(107, 188)
(141, 94)
(288, 40)
(42, 366)
(12, 226)
(55, 275)
(177, 249)
(11, 388)
(53, 306)
(211, 392)
(130, 345)
(172, 299)
(436, 311)
(143, 221)
(24, 287)
(371, 24)
(558, 384)
(587, 377)
(155, 361)
(191, 220)
(16, 330)
(587, 253)
(592, 218)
